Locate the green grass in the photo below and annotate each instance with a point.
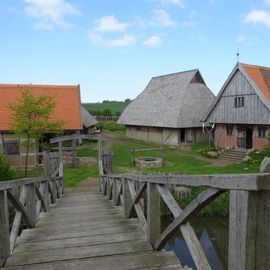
(175, 162)
(88, 152)
(118, 106)
(72, 176)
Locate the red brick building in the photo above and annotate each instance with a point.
(241, 112)
(68, 110)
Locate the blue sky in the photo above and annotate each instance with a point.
(112, 48)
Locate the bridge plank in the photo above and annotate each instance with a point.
(152, 260)
(89, 239)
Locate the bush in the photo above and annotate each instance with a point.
(258, 156)
(203, 149)
(111, 126)
(5, 171)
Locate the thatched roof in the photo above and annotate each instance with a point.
(87, 119)
(177, 100)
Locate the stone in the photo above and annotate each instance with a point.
(265, 165)
(246, 159)
(212, 154)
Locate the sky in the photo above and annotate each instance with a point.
(112, 48)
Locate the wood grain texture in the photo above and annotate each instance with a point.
(92, 239)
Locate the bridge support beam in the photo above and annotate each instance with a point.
(153, 214)
(249, 230)
(4, 228)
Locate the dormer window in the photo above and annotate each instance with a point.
(239, 102)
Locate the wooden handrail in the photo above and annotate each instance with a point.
(249, 211)
(29, 197)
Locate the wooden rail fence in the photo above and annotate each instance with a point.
(249, 218)
(23, 200)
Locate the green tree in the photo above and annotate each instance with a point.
(31, 119)
(107, 112)
(5, 171)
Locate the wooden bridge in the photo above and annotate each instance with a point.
(89, 231)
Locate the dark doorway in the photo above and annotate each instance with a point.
(182, 135)
(249, 136)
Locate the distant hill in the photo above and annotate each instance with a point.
(116, 107)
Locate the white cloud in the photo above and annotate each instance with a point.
(43, 26)
(178, 3)
(50, 12)
(258, 17)
(121, 42)
(98, 39)
(267, 1)
(246, 40)
(163, 17)
(152, 41)
(240, 38)
(109, 24)
(95, 38)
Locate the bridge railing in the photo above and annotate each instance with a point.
(249, 211)
(22, 201)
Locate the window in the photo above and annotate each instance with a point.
(239, 102)
(11, 147)
(138, 128)
(261, 132)
(229, 130)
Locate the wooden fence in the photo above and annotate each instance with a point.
(27, 198)
(249, 230)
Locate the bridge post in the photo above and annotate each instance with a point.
(4, 228)
(249, 230)
(153, 214)
(31, 203)
(114, 191)
(127, 200)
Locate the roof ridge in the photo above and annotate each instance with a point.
(254, 66)
(175, 73)
(39, 85)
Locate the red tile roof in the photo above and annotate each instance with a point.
(261, 77)
(67, 99)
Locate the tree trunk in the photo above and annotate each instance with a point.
(26, 157)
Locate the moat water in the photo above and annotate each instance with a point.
(212, 233)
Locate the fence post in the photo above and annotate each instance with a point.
(127, 200)
(4, 228)
(31, 203)
(153, 214)
(249, 230)
(114, 191)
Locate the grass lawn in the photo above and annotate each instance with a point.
(72, 177)
(175, 161)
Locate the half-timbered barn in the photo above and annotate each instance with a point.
(169, 110)
(68, 110)
(241, 112)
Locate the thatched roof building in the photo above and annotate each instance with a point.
(87, 119)
(174, 101)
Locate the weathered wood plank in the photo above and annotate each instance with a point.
(137, 206)
(19, 207)
(118, 262)
(81, 241)
(226, 181)
(17, 220)
(72, 253)
(153, 214)
(21, 182)
(188, 233)
(4, 228)
(194, 207)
